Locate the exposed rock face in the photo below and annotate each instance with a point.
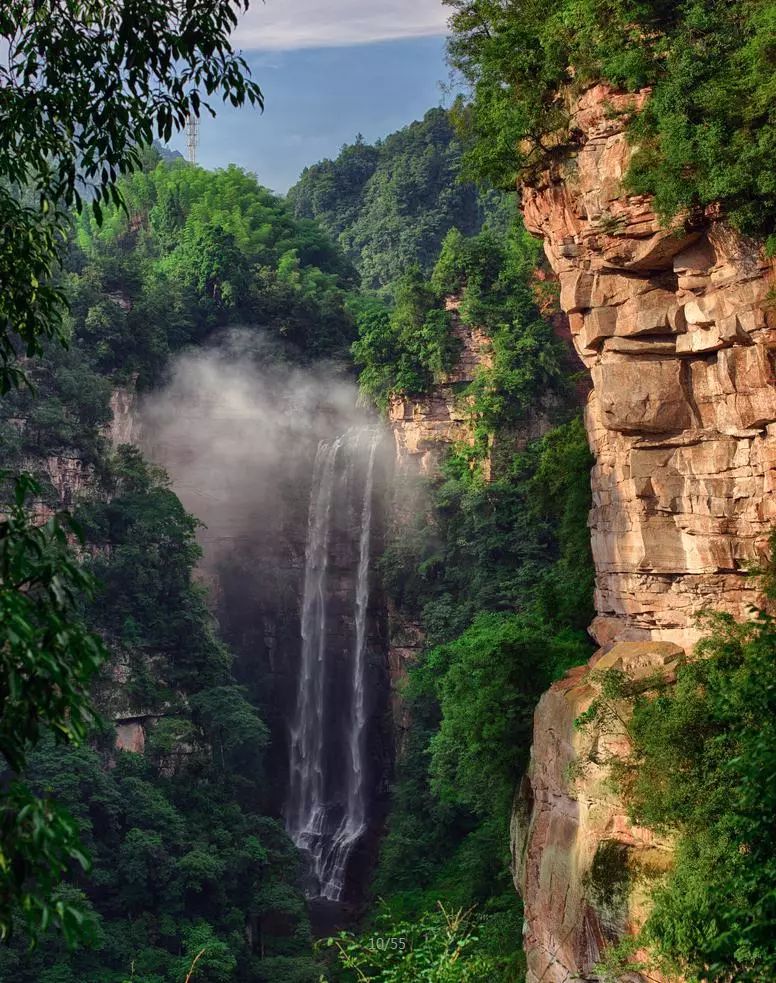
(676, 329)
(425, 427)
(70, 478)
(123, 428)
(131, 736)
(575, 854)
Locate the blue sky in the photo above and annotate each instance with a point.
(328, 72)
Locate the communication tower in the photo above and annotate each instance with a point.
(192, 137)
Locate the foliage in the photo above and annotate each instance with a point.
(702, 768)
(144, 566)
(500, 576)
(181, 856)
(48, 660)
(439, 948)
(409, 346)
(402, 350)
(487, 682)
(560, 493)
(195, 253)
(176, 837)
(706, 135)
(493, 275)
(391, 204)
(84, 88)
(517, 540)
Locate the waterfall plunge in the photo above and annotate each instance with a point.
(326, 810)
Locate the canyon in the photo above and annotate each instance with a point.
(299, 492)
(676, 327)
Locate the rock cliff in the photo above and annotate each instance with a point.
(677, 328)
(425, 427)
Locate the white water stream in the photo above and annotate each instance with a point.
(326, 809)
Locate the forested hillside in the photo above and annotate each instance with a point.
(391, 204)
(499, 577)
(591, 106)
(183, 854)
(495, 580)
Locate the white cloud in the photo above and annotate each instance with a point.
(285, 25)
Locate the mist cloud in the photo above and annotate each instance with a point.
(236, 428)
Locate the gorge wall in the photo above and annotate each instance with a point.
(424, 428)
(286, 561)
(677, 328)
(239, 430)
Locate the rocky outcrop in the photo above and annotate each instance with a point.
(123, 427)
(677, 328)
(582, 867)
(426, 426)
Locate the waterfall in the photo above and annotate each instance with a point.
(305, 800)
(326, 809)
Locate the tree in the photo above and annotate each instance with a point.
(391, 204)
(47, 660)
(702, 767)
(706, 135)
(84, 87)
(439, 948)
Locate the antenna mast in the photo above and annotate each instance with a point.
(192, 137)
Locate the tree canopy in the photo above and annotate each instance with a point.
(390, 205)
(84, 88)
(706, 135)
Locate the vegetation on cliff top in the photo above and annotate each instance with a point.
(707, 134)
(498, 574)
(406, 347)
(195, 252)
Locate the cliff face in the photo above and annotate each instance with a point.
(425, 427)
(676, 328)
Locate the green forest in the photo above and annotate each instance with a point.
(169, 862)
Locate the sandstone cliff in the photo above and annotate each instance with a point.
(677, 329)
(425, 427)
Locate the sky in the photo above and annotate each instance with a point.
(328, 70)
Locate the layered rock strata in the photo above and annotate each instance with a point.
(677, 328)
